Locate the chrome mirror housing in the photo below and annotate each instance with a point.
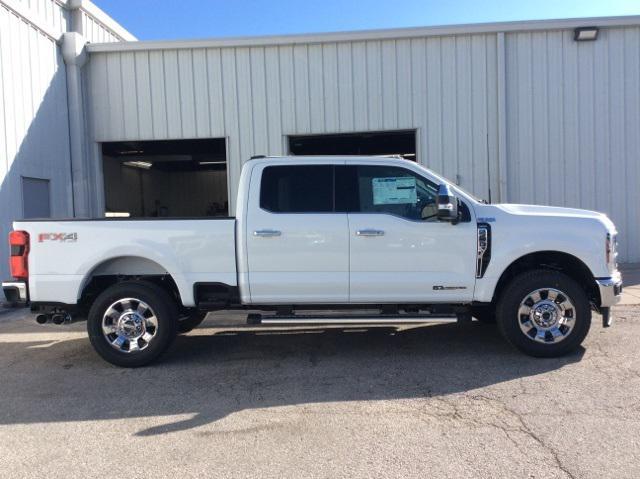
(447, 204)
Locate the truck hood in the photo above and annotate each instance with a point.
(556, 211)
(536, 210)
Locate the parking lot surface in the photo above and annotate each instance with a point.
(439, 401)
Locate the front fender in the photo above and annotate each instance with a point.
(583, 239)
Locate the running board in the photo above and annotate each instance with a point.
(373, 319)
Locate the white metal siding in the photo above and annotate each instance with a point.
(573, 124)
(34, 139)
(255, 95)
(570, 131)
(95, 31)
(51, 12)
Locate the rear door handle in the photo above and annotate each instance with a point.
(369, 233)
(267, 233)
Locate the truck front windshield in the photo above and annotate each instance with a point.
(441, 179)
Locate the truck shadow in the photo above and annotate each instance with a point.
(208, 377)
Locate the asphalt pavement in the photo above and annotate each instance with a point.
(438, 401)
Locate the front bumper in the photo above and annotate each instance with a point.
(15, 292)
(610, 289)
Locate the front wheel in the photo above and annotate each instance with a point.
(132, 323)
(544, 313)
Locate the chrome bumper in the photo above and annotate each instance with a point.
(610, 290)
(15, 292)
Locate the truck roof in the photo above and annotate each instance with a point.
(302, 158)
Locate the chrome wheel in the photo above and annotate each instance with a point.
(129, 325)
(546, 315)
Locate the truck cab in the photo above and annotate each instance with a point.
(337, 234)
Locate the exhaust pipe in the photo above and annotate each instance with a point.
(55, 318)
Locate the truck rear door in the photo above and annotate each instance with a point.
(297, 244)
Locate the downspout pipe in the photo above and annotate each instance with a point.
(75, 56)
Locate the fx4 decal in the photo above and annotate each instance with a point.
(442, 288)
(61, 237)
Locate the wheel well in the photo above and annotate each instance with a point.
(98, 284)
(553, 260)
(125, 268)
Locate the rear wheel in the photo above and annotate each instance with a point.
(132, 323)
(544, 313)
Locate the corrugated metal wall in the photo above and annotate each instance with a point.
(34, 125)
(572, 109)
(573, 124)
(34, 138)
(50, 12)
(94, 31)
(443, 87)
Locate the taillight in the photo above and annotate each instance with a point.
(19, 243)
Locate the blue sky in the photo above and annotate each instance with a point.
(170, 19)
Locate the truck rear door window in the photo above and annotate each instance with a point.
(298, 189)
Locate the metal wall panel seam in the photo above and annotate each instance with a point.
(502, 118)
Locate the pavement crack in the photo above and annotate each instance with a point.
(525, 429)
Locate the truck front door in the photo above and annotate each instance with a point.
(399, 251)
(297, 244)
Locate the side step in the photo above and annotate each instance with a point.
(377, 319)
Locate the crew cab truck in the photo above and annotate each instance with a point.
(340, 235)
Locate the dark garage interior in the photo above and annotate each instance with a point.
(172, 178)
(401, 143)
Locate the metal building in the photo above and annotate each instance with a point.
(35, 150)
(521, 112)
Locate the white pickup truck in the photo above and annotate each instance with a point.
(344, 236)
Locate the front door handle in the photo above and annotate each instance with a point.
(369, 233)
(267, 233)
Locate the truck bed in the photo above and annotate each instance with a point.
(64, 254)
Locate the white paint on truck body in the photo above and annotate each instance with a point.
(191, 251)
(315, 258)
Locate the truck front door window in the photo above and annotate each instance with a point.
(395, 191)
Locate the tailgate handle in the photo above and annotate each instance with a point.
(369, 233)
(267, 233)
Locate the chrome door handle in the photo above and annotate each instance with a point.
(267, 233)
(369, 233)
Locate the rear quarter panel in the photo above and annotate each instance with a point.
(64, 254)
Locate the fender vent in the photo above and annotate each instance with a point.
(484, 249)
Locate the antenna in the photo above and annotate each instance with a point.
(488, 168)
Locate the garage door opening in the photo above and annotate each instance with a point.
(174, 178)
(401, 143)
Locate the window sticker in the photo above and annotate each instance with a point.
(394, 191)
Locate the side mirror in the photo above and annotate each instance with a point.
(447, 204)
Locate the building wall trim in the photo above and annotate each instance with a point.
(363, 35)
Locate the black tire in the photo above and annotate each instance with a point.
(157, 299)
(191, 321)
(518, 290)
(485, 314)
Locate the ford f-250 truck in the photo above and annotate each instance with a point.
(339, 235)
